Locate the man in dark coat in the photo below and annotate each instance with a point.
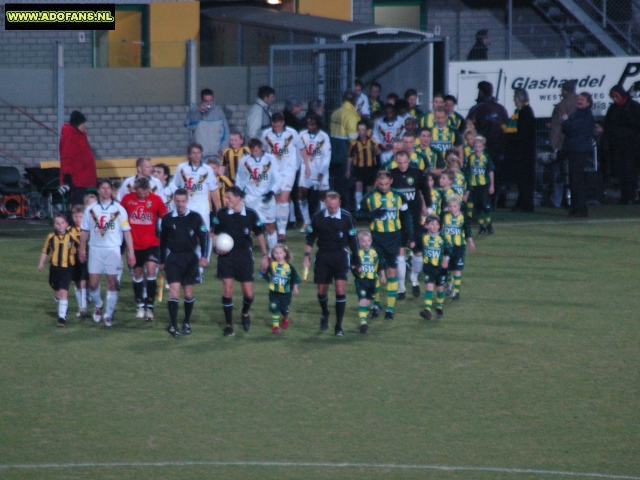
(520, 155)
(480, 50)
(622, 136)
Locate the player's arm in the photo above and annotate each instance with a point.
(164, 241)
(84, 237)
(468, 235)
(45, 253)
(131, 256)
(203, 239)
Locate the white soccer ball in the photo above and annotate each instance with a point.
(224, 242)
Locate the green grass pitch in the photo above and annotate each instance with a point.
(533, 374)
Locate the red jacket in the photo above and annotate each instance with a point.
(76, 158)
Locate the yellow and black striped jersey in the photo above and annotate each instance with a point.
(434, 249)
(459, 184)
(389, 205)
(281, 277)
(414, 161)
(428, 120)
(456, 229)
(223, 183)
(442, 139)
(436, 201)
(428, 156)
(479, 168)
(231, 159)
(363, 153)
(369, 260)
(62, 248)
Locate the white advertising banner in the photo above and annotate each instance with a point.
(543, 79)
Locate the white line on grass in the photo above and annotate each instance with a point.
(319, 465)
(568, 222)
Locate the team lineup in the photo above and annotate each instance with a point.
(417, 190)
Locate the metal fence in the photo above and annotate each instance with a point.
(307, 72)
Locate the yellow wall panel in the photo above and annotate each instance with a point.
(338, 9)
(171, 24)
(125, 41)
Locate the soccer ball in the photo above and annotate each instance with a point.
(224, 242)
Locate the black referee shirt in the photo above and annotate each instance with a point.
(181, 234)
(238, 225)
(334, 232)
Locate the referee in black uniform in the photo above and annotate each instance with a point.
(182, 231)
(237, 220)
(334, 229)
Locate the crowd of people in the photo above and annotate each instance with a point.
(418, 178)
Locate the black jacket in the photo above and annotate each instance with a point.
(578, 131)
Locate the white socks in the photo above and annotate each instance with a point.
(282, 217)
(304, 208)
(112, 300)
(95, 296)
(272, 240)
(402, 273)
(63, 305)
(416, 267)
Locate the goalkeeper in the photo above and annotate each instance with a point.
(388, 212)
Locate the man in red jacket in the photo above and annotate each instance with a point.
(77, 163)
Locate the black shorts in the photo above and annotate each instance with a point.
(80, 272)
(366, 288)
(151, 254)
(480, 198)
(366, 175)
(237, 264)
(279, 302)
(60, 277)
(182, 268)
(418, 232)
(435, 275)
(387, 244)
(330, 265)
(456, 259)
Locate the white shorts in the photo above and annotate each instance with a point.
(311, 183)
(287, 179)
(205, 213)
(266, 211)
(104, 260)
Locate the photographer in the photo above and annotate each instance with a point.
(209, 126)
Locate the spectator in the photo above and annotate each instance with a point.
(556, 138)
(292, 109)
(77, 163)
(622, 135)
(520, 155)
(343, 129)
(480, 50)
(362, 101)
(488, 117)
(208, 125)
(259, 115)
(578, 131)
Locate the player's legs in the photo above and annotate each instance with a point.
(323, 300)
(341, 305)
(303, 202)
(138, 294)
(152, 288)
(227, 300)
(247, 301)
(416, 266)
(282, 204)
(172, 306)
(358, 193)
(272, 236)
(402, 273)
(392, 290)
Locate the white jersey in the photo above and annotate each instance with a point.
(169, 189)
(362, 105)
(318, 148)
(284, 147)
(127, 187)
(198, 181)
(105, 224)
(258, 176)
(387, 133)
